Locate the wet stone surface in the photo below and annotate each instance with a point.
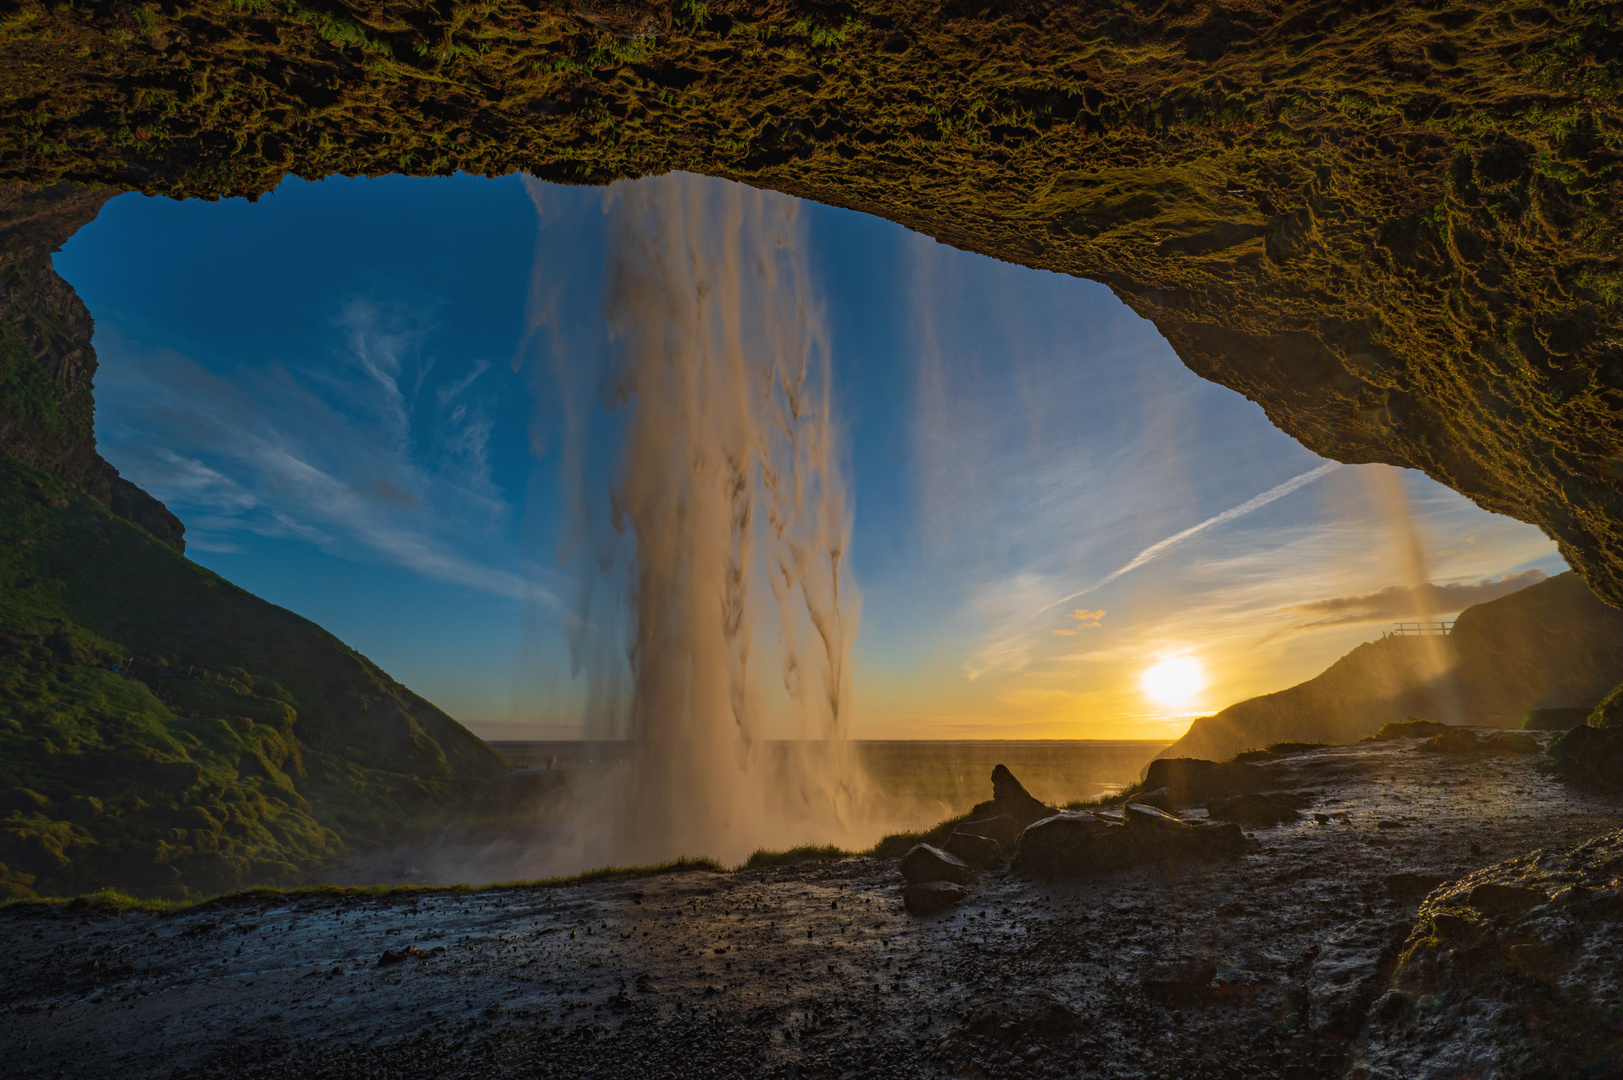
(1279, 963)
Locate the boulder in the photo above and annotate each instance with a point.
(1175, 774)
(1137, 815)
(1195, 780)
(929, 897)
(1011, 798)
(1161, 798)
(978, 851)
(1002, 828)
(1069, 844)
(1077, 843)
(1228, 779)
(1591, 756)
(1253, 809)
(927, 862)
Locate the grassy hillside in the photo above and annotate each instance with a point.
(1550, 645)
(163, 731)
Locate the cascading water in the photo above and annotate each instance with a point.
(728, 526)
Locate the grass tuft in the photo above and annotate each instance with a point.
(111, 900)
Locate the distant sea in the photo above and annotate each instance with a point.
(936, 779)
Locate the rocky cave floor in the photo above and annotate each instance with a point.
(816, 970)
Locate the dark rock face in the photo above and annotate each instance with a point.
(1530, 943)
(47, 364)
(1328, 238)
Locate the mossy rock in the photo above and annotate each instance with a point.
(154, 720)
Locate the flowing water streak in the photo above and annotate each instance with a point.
(733, 518)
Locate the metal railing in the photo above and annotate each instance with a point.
(1435, 627)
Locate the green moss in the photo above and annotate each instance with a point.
(764, 859)
(1609, 713)
(166, 734)
(112, 900)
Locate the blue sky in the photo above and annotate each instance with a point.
(337, 391)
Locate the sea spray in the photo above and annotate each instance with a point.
(1390, 499)
(722, 569)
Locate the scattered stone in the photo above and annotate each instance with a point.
(1002, 828)
(927, 863)
(1181, 982)
(397, 956)
(1253, 809)
(978, 851)
(929, 897)
(1493, 899)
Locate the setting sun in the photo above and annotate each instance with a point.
(1173, 683)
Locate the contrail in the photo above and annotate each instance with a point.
(1156, 550)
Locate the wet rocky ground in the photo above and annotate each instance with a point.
(1279, 963)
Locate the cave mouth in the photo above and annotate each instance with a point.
(358, 395)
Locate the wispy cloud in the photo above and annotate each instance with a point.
(1398, 601)
(341, 451)
(1084, 618)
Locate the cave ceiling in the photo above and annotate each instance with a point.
(1395, 226)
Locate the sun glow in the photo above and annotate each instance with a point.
(1173, 683)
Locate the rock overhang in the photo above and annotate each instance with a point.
(1396, 232)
